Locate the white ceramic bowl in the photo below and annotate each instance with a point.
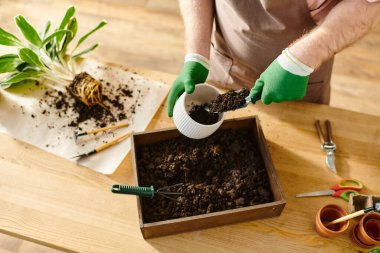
(202, 94)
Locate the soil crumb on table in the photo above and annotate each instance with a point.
(200, 115)
(231, 100)
(221, 172)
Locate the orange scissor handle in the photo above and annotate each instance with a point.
(348, 184)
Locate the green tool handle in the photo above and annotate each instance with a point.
(142, 191)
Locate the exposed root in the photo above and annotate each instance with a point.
(87, 89)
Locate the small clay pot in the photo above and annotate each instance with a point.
(369, 229)
(329, 213)
(372, 226)
(356, 239)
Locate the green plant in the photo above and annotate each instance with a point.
(45, 56)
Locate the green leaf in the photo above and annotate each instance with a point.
(18, 77)
(25, 66)
(48, 46)
(53, 35)
(29, 56)
(100, 25)
(69, 14)
(46, 30)
(85, 51)
(53, 53)
(28, 31)
(9, 63)
(73, 27)
(8, 39)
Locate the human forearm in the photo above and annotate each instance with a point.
(346, 23)
(198, 18)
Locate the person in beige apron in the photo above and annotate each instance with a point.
(274, 46)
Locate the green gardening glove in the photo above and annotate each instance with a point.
(285, 79)
(194, 71)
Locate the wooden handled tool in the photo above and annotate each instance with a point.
(105, 146)
(376, 208)
(76, 135)
(114, 141)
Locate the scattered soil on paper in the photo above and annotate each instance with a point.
(65, 104)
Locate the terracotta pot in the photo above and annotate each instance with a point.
(372, 226)
(329, 213)
(369, 229)
(355, 238)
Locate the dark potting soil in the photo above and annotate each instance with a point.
(359, 202)
(200, 115)
(231, 100)
(221, 172)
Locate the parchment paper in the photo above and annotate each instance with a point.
(23, 116)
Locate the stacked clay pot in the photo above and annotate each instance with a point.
(329, 213)
(366, 233)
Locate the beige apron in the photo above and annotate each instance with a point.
(250, 34)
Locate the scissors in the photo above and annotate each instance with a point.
(343, 189)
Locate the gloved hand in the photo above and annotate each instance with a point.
(194, 71)
(285, 79)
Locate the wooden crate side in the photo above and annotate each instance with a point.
(144, 138)
(137, 179)
(208, 221)
(269, 165)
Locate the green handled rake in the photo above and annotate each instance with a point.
(147, 192)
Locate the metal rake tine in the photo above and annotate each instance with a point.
(76, 135)
(167, 187)
(171, 193)
(163, 195)
(78, 157)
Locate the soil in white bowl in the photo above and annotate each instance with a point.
(200, 115)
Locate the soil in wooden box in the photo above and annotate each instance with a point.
(222, 172)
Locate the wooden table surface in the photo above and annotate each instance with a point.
(52, 201)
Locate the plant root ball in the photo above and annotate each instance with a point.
(87, 89)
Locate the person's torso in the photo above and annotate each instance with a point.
(250, 34)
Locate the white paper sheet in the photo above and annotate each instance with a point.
(25, 118)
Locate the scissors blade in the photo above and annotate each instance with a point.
(330, 161)
(314, 194)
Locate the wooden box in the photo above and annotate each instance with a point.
(203, 221)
